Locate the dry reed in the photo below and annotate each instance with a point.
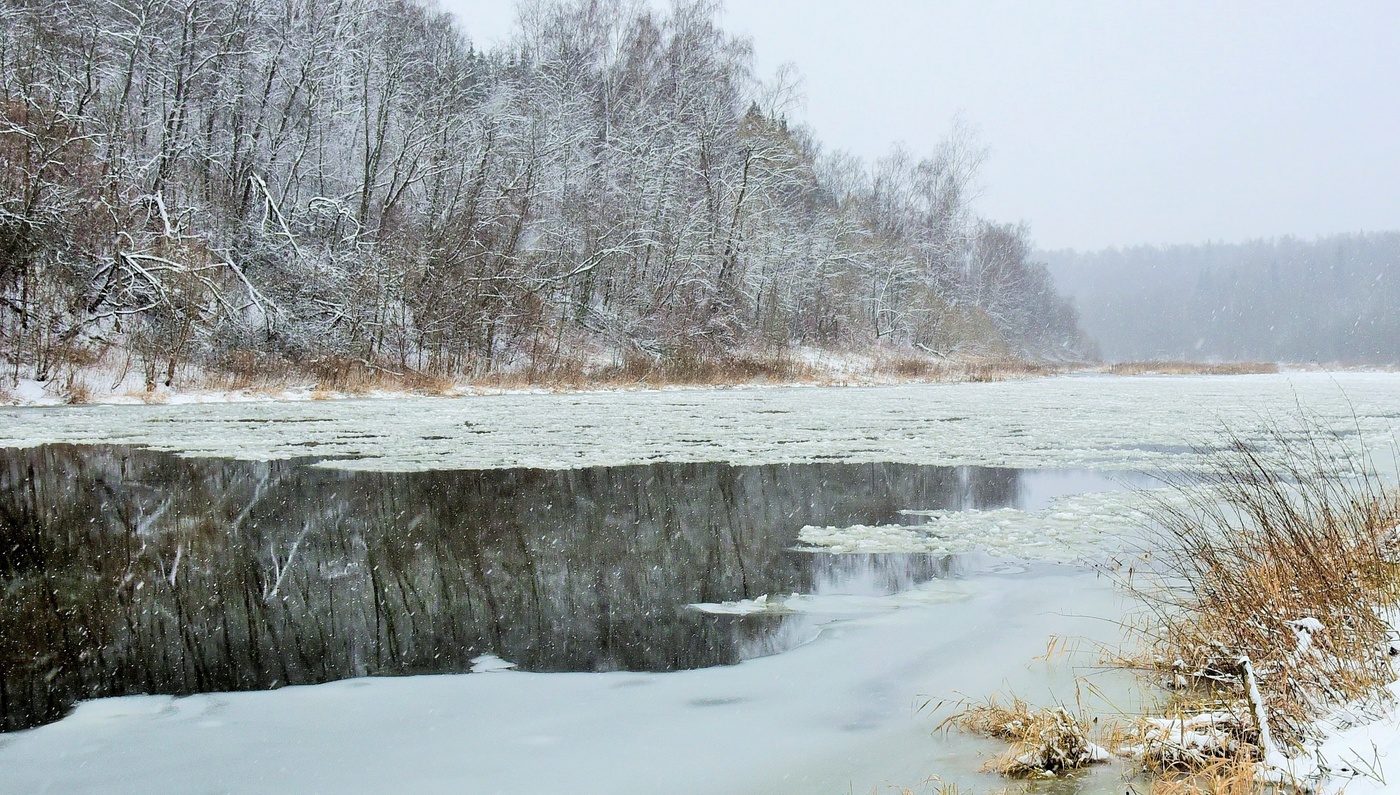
(1191, 368)
(1266, 607)
(1042, 742)
(1288, 558)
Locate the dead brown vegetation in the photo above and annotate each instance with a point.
(1271, 578)
(912, 367)
(357, 377)
(1266, 606)
(640, 369)
(1287, 557)
(255, 372)
(77, 391)
(1007, 369)
(1042, 742)
(1191, 368)
(1233, 774)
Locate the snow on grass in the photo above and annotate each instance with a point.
(1359, 757)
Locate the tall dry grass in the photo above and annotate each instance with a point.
(1282, 566)
(914, 367)
(1191, 368)
(681, 368)
(251, 372)
(1274, 577)
(1041, 742)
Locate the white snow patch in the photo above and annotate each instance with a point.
(490, 663)
(1305, 629)
(744, 607)
(1357, 759)
(31, 392)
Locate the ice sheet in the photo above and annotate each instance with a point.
(1090, 421)
(1071, 528)
(840, 714)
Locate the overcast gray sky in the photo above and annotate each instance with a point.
(1109, 123)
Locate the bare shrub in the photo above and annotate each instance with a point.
(78, 392)
(245, 369)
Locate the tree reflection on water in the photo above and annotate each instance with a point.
(132, 571)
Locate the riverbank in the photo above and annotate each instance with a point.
(110, 378)
(113, 379)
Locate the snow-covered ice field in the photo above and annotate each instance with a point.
(1084, 421)
(838, 714)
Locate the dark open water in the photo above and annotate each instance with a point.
(130, 571)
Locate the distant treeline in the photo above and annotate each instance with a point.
(309, 179)
(1332, 300)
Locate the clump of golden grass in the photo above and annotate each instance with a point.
(348, 375)
(1191, 368)
(1266, 608)
(1006, 369)
(152, 396)
(1043, 742)
(1287, 558)
(1267, 603)
(1193, 736)
(77, 391)
(912, 367)
(1232, 774)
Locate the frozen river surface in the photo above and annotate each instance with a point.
(1088, 421)
(825, 693)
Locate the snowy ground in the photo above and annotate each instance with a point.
(835, 715)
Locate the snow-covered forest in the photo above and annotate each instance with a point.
(297, 182)
(1331, 299)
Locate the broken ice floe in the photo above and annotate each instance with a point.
(831, 604)
(490, 663)
(1069, 528)
(1106, 423)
